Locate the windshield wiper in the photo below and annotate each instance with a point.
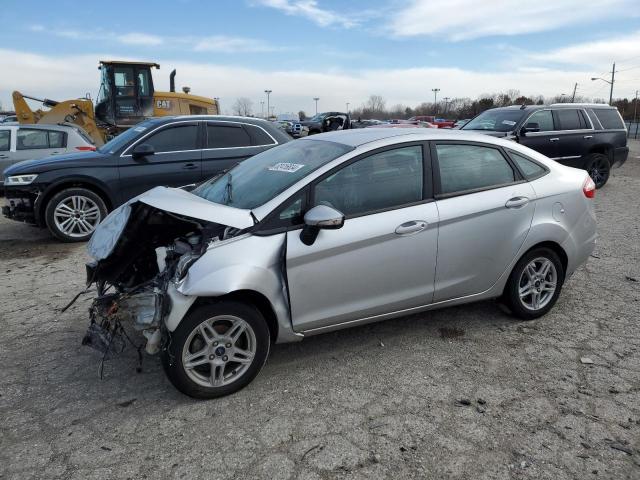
(229, 189)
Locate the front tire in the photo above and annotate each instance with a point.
(73, 214)
(217, 349)
(534, 284)
(599, 168)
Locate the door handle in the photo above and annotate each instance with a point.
(411, 227)
(554, 139)
(587, 137)
(3, 156)
(516, 202)
(190, 166)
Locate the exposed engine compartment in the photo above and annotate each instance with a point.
(155, 248)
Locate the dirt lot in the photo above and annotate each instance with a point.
(382, 401)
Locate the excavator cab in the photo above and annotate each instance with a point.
(126, 93)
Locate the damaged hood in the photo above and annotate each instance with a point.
(173, 200)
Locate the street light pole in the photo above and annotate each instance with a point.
(268, 92)
(262, 108)
(347, 107)
(316, 99)
(435, 98)
(613, 78)
(635, 110)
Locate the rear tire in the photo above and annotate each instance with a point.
(534, 284)
(217, 349)
(73, 214)
(599, 168)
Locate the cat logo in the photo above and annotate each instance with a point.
(164, 104)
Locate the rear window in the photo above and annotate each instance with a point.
(5, 139)
(609, 118)
(259, 136)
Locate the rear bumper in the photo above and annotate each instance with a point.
(620, 155)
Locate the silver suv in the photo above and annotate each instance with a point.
(329, 232)
(30, 142)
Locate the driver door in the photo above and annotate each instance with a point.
(383, 258)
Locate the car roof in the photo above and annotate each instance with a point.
(554, 105)
(362, 136)
(40, 126)
(228, 118)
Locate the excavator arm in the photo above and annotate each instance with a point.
(79, 112)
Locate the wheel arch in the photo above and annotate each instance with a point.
(603, 148)
(79, 182)
(252, 297)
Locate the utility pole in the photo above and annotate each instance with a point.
(262, 108)
(573, 97)
(446, 104)
(347, 107)
(635, 111)
(613, 79)
(268, 92)
(435, 99)
(316, 100)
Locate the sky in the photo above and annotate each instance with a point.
(339, 51)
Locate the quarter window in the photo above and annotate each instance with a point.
(173, 139)
(5, 140)
(382, 181)
(227, 136)
(609, 118)
(544, 119)
(530, 169)
(470, 167)
(56, 139)
(259, 136)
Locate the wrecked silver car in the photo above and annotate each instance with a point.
(328, 232)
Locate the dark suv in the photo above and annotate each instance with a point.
(71, 194)
(592, 137)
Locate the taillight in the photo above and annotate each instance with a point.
(589, 188)
(86, 148)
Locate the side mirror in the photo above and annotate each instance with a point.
(530, 127)
(320, 217)
(142, 150)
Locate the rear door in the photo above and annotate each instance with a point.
(228, 143)
(485, 210)
(575, 135)
(546, 140)
(383, 259)
(176, 161)
(32, 143)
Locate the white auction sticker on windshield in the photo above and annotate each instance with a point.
(140, 129)
(286, 167)
(509, 122)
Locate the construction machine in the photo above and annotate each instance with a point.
(126, 97)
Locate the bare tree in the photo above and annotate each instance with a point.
(302, 116)
(243, 107)
(376, 103)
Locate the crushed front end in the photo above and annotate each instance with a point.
(141, 252)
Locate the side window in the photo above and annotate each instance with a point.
(5, 140)
(609, 118)
(124, 80)
(530, 169)
(57, 139)
(469, 167)
(144, 89)
(172, 139)
(28, 139)
(227, 136)
(259, 136)
(544, 119)
(384, 180)
(569, 119)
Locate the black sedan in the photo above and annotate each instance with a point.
(71, 194)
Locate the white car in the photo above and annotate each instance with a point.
(31, 142)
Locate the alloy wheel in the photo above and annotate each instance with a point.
(77, 216)
(219, 351)
(538, 283)
(599, 172)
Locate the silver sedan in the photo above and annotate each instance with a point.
(330, 232)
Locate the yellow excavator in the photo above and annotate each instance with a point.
(126, 97)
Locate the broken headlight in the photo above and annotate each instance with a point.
(183, 265)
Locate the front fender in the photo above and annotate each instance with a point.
(252, 263)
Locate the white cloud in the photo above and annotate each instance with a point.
(139, 39)
(466, 19)
(223, 43)
(310, 10)
(64, 77)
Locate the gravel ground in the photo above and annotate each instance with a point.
(466, 392)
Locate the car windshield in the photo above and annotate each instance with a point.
(260, 178)
(116, 143)
(318, 117)
(497, 120)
